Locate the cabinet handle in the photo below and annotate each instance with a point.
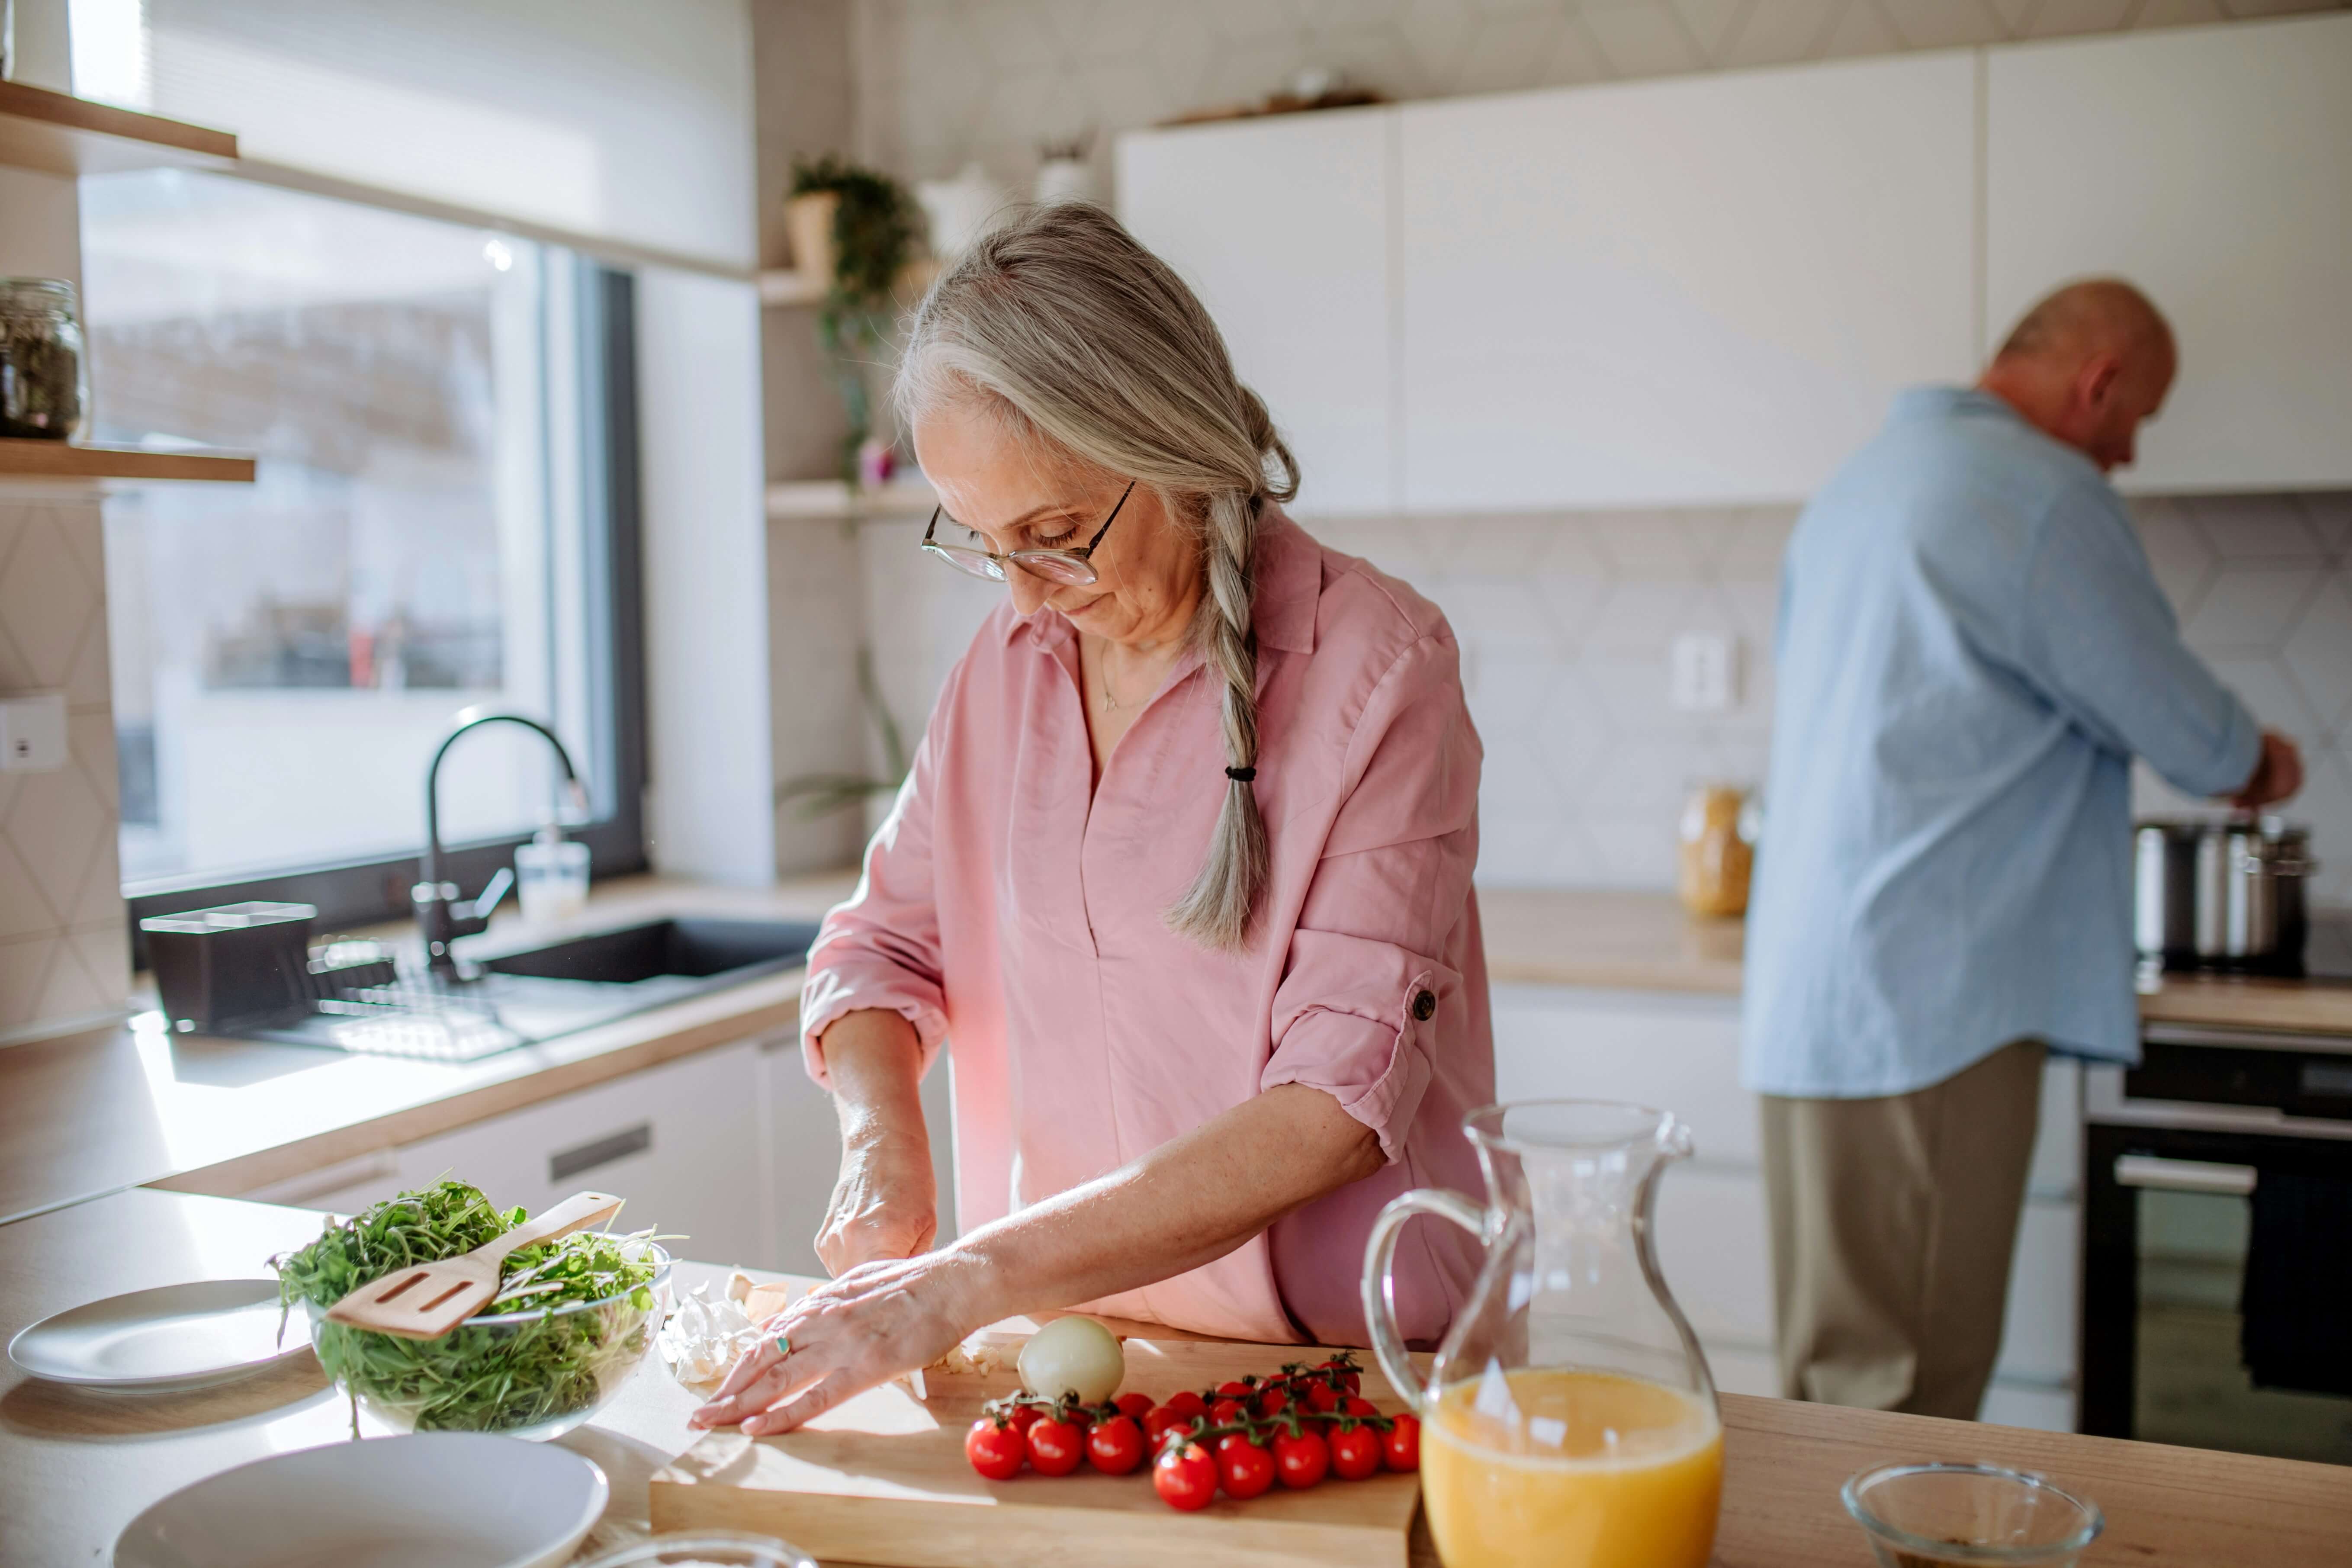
(566, 1163)
(2184, 1175)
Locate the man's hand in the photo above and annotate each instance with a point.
(2277, 774)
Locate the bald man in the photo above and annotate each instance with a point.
(1971, 651)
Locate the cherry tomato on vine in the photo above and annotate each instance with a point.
(1225, 1412)
(1236, 1389)
(1300, 1462)
(1272, 1402)
(1115, 1447)
(1355, 1453)
(1162, 1421)
(1134, 1406)
(1185, 1476)
(996, 1452)
(1025, 1416)
(1354, 1406)
(1349, 1376)
(1186, 1402)
(1055, 1447)
(1401, 1445)
(1235, 1440)
(1324, 1398)
(1244, 1469)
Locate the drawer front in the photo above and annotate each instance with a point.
(1677, 1053)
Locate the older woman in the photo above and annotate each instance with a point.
(1182, 867)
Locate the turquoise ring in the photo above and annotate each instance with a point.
(783, 1346)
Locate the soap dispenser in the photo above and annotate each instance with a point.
(552, 875)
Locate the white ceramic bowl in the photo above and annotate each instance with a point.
(453, 1500)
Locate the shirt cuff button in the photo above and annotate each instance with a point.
(1424, 1006)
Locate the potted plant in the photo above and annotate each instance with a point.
(866, 244)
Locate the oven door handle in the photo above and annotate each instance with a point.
(2184, 1175)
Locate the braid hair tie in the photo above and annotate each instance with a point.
(1240, 775)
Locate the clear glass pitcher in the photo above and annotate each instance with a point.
(1568, 1419)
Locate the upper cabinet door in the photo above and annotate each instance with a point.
(2211, 166)
(1697, 290)
(1281, 227)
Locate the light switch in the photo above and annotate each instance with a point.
(1705, 672)
(33, 733)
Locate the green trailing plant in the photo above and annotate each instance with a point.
(593, 1294)
(875, 226)
(821, 794)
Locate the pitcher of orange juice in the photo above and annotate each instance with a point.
(1569, 1420)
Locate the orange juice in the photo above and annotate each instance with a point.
(1572, 1470)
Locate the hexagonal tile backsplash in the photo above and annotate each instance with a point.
(1565, 621)
(64, 954)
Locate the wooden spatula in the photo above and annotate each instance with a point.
(429, 1299)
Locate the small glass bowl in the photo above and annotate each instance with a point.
(707, 1549)
(552, 1371)
(1931, 1516)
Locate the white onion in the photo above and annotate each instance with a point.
(1073, 1355)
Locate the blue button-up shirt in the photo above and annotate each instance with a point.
(1971, 650)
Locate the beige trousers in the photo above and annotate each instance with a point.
(1893, 1223)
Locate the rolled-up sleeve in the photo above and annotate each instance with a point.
(2096, 634)
(880, 949)
(1364, 1004)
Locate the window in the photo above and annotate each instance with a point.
(445, 520)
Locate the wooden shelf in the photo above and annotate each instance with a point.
(831, 497)
(60, 134)
(782, 286)
(64, 461)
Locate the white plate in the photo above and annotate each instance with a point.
(175, 1336)
(446, 1500)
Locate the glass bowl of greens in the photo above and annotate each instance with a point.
(572, 1318)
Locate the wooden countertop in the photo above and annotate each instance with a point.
(76, 1467)
(86, 1114)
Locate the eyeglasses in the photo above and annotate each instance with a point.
(1073, 567)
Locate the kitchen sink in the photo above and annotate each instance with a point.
(518, 996)
(694, 948)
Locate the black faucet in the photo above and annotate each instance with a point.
(440, 917)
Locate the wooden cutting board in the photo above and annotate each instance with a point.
(883, 1480)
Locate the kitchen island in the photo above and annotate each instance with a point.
(75, 1467)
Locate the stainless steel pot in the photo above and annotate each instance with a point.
(2226, 893)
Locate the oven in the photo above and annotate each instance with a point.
(2204, 1316)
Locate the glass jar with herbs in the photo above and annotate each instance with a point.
(44, 386)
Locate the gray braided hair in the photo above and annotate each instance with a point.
(1090, 349)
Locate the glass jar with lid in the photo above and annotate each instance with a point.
(44, 381)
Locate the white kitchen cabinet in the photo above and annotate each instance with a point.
(1703, 289)
(2212, 166)
(800, 1143)
(1679, 1053)
(1282, 226)
(679, 1142)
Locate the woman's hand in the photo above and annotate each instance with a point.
(885, 1207)
(847, 1335)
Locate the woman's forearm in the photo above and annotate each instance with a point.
(874, 1064)
(1192, 1199)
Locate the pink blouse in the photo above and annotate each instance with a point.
(1005, 910)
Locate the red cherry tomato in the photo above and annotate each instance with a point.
(1186, 1404)
(1401, 1445)
(1161, 1422)
(1246, 1470)
(1301, 1461)
(1323, 1397)
(1116, 1447)
(995, 1451)
(1234, 1440)
(1225, 1412)
(1235, 1390)
(1272, 1401)
(1025, 1416)
(1354, 1406)
(1185, 1476)
(1349, 1376)
(1134, 1406)
(1355, 1453)
(1055, 1447)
